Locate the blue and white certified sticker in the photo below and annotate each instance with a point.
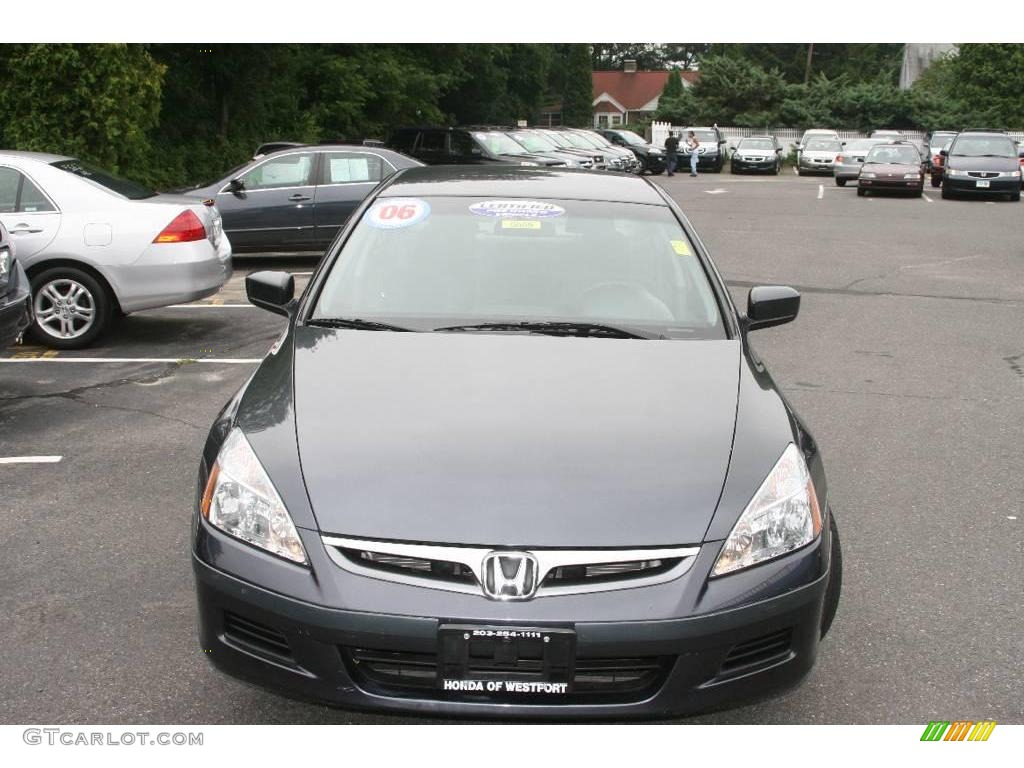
(517, 209)
(397, 212)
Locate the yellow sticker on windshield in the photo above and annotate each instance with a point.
(515, 224)
(681, 248)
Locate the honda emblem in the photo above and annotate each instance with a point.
(510, 575)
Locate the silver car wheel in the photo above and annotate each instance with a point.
(65, 309)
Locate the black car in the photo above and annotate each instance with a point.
(514, 456)
(757, 154)
(652, 158)
(297, 197)
(710, 152)
(485, 145)
(981, 162)
(15, 294)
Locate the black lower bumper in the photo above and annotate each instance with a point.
(15, 306)
(740, 166)
(969, 186)
(388, 662)
(892, 185)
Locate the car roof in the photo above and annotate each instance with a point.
(41, 157)
(522, 182)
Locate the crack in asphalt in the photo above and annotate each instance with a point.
(76, 394)
(891, 394)
(845, 291)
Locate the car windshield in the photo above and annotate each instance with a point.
(891, 154)
(578, 140)
(631, 138)
(984, 146)
(559, 138)
(499, 143)
(123, 187)
(597, 139)
(747, 144)
(534, 142)
(939, 140)
(860, 145)
(428, 263)
(823, 145)
(704, 137)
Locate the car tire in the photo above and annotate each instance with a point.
(799, 171)
(85, 292)
(835, 577)
(1015, 197)
(861, 191)
(840, 182)
(778, 168)
(946, 194)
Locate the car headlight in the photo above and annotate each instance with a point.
(527, 162)
(783, 516)
(1013, 174)
(911, 175)
(5, 265)
(654, 152)
(867, 175)
(240, 500)
(955, 172)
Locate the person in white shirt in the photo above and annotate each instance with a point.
(692, 143)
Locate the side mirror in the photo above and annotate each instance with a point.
(272, 291)
(943, 152)
(235, 186)
(769, 305)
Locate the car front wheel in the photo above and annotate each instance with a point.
(71, 308)
(840, 182)
(861, 191)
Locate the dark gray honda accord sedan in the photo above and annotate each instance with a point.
(513, 456)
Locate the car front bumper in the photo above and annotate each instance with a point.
(893, 185)
(703, 161)
(846, 171)
(382, 660)
(15, 306)
(809, 166)
(768, 164)
(969, 185)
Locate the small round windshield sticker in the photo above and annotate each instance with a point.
(397, 212)
(517, 209)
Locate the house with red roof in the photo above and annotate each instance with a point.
(628, 93)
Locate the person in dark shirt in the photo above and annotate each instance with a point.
(671, 158)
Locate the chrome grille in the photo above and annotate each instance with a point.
(459, 568)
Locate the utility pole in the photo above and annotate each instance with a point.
(807, 71)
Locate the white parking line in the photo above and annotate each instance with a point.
(30, 459)
(926, 198)
(821, 191)
(215, 360)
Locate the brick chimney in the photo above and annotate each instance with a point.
(629, 65)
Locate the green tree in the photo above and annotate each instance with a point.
(578, 89)
(673, 86)
(988, 78)
(94, 101)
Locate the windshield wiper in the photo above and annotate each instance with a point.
(357, 323)
(1003, 156)
(556, 328)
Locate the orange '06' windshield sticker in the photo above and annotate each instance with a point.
(397, 212)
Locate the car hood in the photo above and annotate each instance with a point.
(820, 154)
(760, 154)
(516, 440)
(961, 163)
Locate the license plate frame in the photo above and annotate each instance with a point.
(981, 184)
(506, 661)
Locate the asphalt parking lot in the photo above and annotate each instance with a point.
(907, 362)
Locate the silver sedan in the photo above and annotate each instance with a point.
(848, 163)
(95, 246)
